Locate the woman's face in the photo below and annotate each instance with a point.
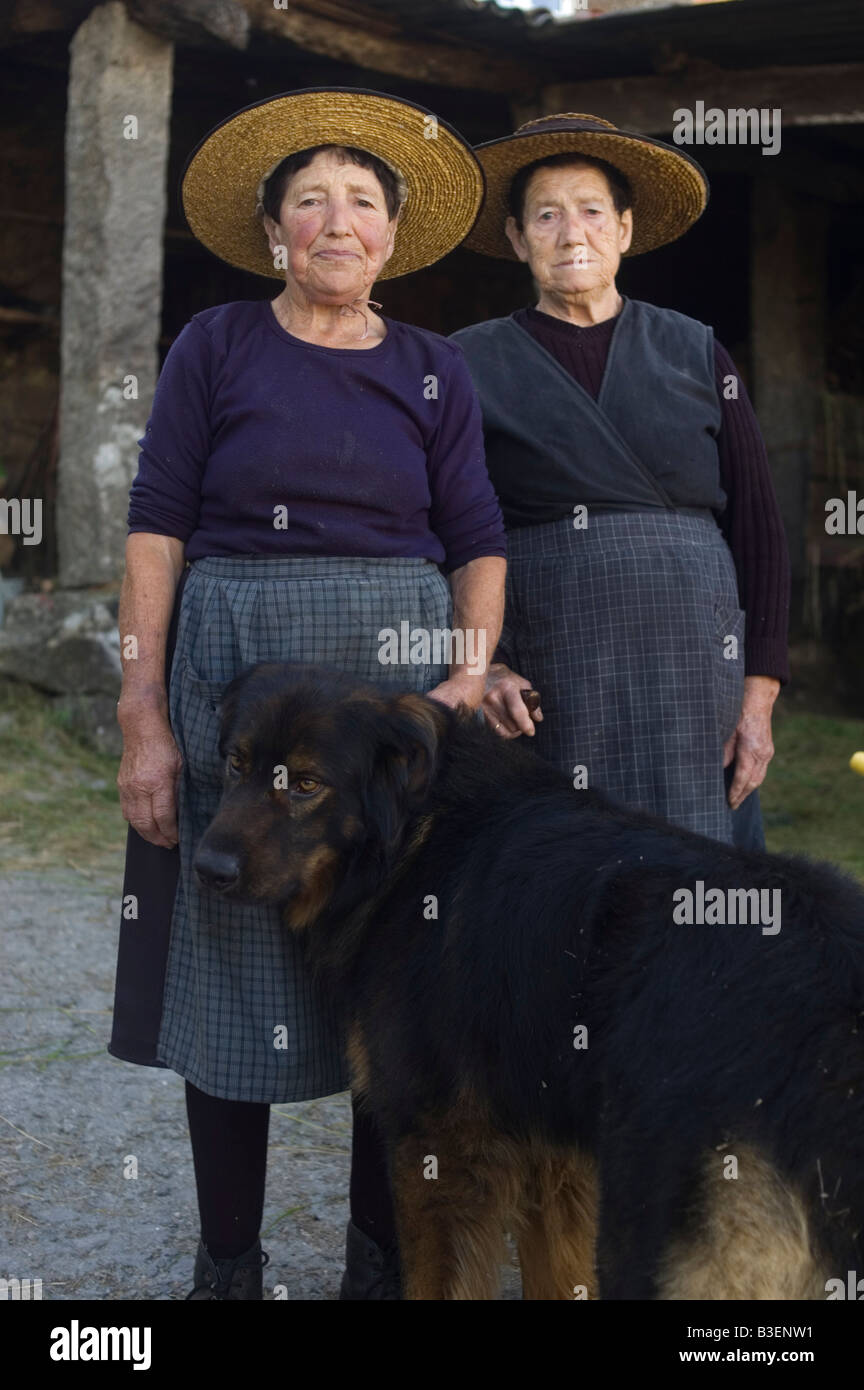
(336, 229)
(571, 235)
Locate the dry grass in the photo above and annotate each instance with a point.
(812, 802)
(58, 799)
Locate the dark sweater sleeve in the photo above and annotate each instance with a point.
(464, 514)
(753, 528)
(166, 494)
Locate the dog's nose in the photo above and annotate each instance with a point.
(216, 869)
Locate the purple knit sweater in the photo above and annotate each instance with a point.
(259, 443)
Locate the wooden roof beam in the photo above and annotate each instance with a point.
(354, 35)
(193, 21)
(830, 94)
(185, 21)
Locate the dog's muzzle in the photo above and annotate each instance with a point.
(216, 869)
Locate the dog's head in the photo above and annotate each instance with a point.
(322, 775)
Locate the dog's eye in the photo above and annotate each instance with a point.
(235, 762)
(306, 785)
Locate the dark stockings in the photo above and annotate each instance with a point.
(229, 1149)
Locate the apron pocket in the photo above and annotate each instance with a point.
(200, 713)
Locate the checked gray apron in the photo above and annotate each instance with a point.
(241, 1017)
(623, 629)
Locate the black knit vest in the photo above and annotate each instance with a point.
(649, 440)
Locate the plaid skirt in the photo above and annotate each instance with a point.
(242, 1018)
(624, 629)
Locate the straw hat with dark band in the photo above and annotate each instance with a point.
(220, 183)
(670, 190)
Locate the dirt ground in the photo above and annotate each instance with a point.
(71, 1116)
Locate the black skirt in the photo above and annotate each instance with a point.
(150, 872)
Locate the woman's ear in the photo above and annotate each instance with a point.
(391, 237)
(272, 229)
(516, 238)
(626, 232)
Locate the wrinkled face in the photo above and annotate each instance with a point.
(321, 776)
(571, 236)
(335, 226)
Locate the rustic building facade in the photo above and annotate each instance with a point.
(98, 272)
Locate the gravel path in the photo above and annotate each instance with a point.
(71, 1116)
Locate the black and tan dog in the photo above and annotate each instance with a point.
(554, 1042)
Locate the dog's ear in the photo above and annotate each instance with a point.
(406, 758)
(419, 724)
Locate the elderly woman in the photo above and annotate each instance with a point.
(641, 518)
(309, 474)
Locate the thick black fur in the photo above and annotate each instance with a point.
(555, 909)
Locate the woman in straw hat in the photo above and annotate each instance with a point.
(641, 517)
(309, 473)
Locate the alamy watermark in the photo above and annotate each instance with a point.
(22, 516)
(77, 1343)
(845, 515)
(422, 646)
(850, 1288)
(720, 907)
(736, 126)
(20, 1289)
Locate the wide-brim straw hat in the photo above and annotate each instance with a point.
(220, 183)
(670, 190)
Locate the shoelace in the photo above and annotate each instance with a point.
(387, 1268)
(226, 1269)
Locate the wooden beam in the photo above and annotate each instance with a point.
(359, 37)
(28, 316)
(829, 94)
(193, 21)
(42, 17)
(180, 21)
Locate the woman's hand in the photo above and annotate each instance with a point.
(151, 761)
(147, 780)
(751, 745)
(503, 706)
(462, 689)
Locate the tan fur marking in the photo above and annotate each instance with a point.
(753, 1242)
(452, 1228)
(421, 833)
(358, 1059)
(318, 875)
(558, 1219)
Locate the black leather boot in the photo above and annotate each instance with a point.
(370, 1272)
(229, 1280)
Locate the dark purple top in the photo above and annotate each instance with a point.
(751, 522)
(370, 452)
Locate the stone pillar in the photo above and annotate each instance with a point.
(117, 137)
(787, 277)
